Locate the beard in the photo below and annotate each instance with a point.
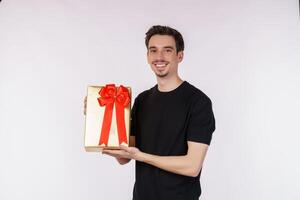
(161, 72)
(161, 75)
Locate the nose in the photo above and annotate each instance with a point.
(160, 55)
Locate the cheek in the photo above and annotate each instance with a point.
(149, 59)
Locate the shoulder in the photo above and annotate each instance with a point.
(143, 95)
(196, 95)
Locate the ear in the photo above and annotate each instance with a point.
(180, 56)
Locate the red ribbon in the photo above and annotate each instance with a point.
(110, 95)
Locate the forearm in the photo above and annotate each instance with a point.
(188, 165)
(183, 165)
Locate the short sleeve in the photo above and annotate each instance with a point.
(133, 118)
(202, 122)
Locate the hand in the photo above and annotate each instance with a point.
(124, 152)
(84, 105)
(116, 155)
(123, 161)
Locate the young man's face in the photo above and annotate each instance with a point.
(162, 55)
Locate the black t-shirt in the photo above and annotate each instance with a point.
(162, 123)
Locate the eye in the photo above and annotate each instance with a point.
(168, 50)
(152, 50)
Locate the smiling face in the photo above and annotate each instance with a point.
(163, 56)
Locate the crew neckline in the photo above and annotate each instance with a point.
(171, 91)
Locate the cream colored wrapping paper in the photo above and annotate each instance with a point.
(94, 118)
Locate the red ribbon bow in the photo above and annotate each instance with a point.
(110, 95)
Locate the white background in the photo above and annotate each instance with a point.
(245, 55)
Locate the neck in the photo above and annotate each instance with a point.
(168, 84)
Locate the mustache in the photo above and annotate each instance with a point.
(159, 61)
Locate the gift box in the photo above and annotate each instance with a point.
(107, 119)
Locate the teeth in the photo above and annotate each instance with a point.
(160, 65)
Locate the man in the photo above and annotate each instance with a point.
(172, 124)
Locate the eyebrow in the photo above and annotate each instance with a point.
(166, 47)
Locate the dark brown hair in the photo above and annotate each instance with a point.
(165, 30)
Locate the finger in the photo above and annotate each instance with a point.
(114, 152)
(109, 152)
(113, 155)
(116, 155)
(125, 148)
(119, 153)
(84, 107)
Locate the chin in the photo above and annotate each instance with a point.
(161, 75)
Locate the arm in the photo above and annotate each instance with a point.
(187, 165)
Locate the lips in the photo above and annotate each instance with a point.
(160, 64)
